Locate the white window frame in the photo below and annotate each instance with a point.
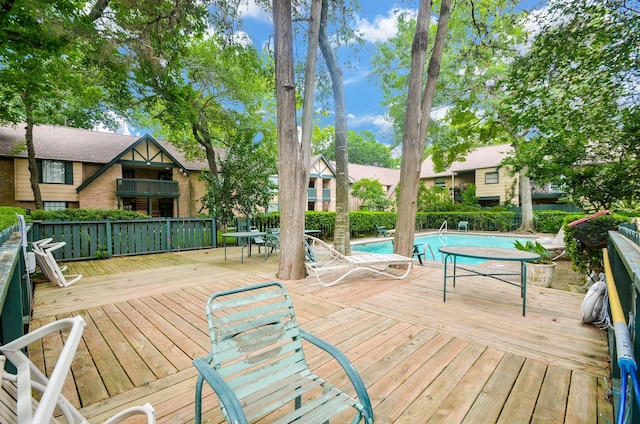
(54, 206)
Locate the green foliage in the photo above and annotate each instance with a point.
(362, 148)
(364, 222)
(550, 222)
(373, 196)
(474, 54)
(244, 183)
(478, 221)
(585, 241)
(535, 247)
(8, 216)
(86, 215)
(571, 98)
(101, 252)
(434, 199)
(468, 195)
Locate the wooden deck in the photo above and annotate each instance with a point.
(473, 359)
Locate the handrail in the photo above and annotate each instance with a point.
(443, 227)
(624, 349)
(442, 233)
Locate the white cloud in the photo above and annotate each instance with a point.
(380, 122)
(250, 10)
(123, 126)
(355, 77)
(383, 27)
(438, 114)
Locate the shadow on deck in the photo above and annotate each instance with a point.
(473, 359)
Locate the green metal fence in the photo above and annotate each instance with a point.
(15, 290)
(624, 256)
(100, 239)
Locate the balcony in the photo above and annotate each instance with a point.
(312, 195)
(546, 190)
(133, 187)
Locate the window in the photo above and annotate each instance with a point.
(55, 171)
(491, 178)
(54, 206)
(439, 181)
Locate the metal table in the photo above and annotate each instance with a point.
(488, 253)
(241, 235)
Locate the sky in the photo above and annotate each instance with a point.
(376, 21)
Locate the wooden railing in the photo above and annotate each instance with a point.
(101, 239)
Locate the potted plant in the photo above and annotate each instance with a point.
(540, 271)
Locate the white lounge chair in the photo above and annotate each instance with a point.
(16, 392)
(554, 244)
(29, 257)
(43, 250)
(330, 266)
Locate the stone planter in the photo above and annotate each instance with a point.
(539, 274)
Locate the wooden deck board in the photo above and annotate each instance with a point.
(471, 359)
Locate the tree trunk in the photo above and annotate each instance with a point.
(417, 120)
(31, 156)
(341, 238)
(310, 84)
(202, 137)
(292, 184)
(526, 205)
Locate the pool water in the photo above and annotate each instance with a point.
(447, 239)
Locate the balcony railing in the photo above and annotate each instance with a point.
(312, 195)
(133, 187)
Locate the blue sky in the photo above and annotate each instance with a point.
(376, 21)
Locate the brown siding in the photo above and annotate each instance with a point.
(50, 192)
(7, 183)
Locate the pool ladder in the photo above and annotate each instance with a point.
(442, 235)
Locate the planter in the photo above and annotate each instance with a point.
(539, 274)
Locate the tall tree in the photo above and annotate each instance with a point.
(575, 100)
(483, 38)
(219, 99)
(66, 64)
(341, 236)
(419, 103)
(292, 171)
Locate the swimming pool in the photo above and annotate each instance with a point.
(436, 240)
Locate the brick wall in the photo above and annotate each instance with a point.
(101, 193)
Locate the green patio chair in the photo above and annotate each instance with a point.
(257, 364)
(381, 231)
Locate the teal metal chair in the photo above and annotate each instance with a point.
(257, 365)
(381, 231)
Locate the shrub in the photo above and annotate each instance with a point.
(86, 215)
(8, 216)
